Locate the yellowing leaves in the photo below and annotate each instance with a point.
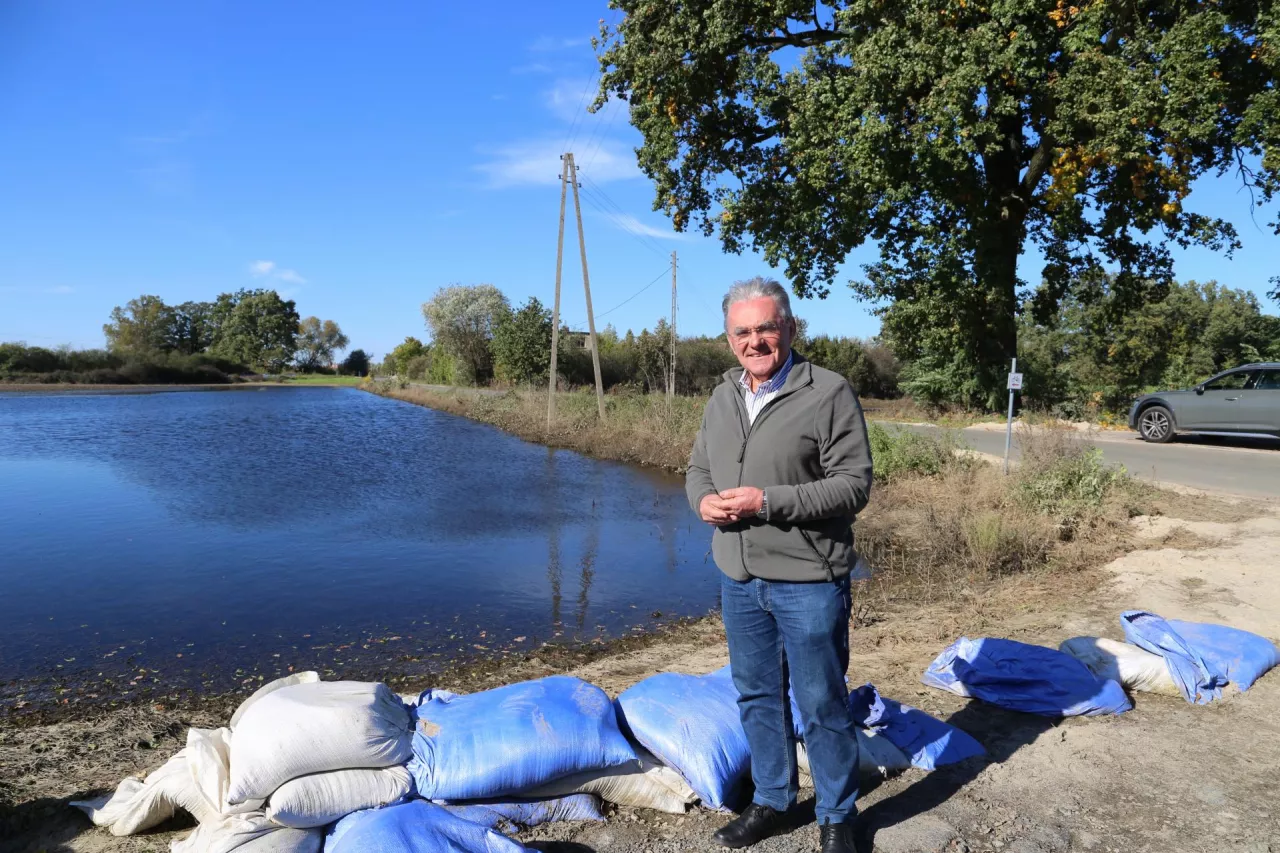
(1062, 15)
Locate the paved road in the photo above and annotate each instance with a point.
(1238, 466)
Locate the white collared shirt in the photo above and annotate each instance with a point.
(766, 391)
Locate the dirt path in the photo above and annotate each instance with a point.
(1165, 777)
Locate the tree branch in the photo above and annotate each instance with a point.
(1039, 164)
(808, 38)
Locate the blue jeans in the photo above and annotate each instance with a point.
(797, 632)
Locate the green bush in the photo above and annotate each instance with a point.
(898, 452)
(1071, 488)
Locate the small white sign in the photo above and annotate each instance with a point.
(1015, 381)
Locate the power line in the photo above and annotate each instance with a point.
(618, 211)
(621, 219)
(634, 295)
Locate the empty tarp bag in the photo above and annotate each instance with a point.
(139, 804)
(1137, 669)
(1202, 658)
(315, 728)
(691, 723)
(645, 783)
(322, 798)
(1023, 677)
(928, 742)
(509, 739)
(414, 827)
(878, 758)
(528, 813)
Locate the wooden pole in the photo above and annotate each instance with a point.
(586, 283)
(555, 312)
(671, 384)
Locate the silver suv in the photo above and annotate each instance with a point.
(1239, 402)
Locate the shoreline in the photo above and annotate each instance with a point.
(88, 389)
(468, 671)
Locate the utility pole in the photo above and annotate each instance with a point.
(671, 382)
(555, 312)
(586, 283)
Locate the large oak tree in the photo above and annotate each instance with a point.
(950, 133)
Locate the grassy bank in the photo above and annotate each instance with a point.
(638, 428)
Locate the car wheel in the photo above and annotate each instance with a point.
(1155, 424)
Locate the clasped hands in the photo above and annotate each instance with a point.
(731, 505)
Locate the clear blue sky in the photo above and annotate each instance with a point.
(356, 157)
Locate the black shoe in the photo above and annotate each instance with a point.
(755, 824)
(836, 838)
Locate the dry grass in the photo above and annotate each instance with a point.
(638, 428)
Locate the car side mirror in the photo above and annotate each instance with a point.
(1199, 389)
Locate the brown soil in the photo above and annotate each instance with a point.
(1165, 777)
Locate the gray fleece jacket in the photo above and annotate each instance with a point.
(808, 450)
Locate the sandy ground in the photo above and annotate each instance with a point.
(1165, 777)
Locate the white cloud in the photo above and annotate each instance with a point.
(269, 270)
(537, 163)
(627, 222)
(60, 289)
(532, 68)
(551, 44)
(569, 98)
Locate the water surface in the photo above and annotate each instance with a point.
(211, 539)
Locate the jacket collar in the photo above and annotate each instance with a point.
(800, 374)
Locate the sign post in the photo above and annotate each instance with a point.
(1015, 384)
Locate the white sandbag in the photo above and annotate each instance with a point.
(323, 798)
(878, 758)
(646, 784)
(308, 677)
(315, 728)
(251, 833)
(1137, 669)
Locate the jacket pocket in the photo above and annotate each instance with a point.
(809, 552)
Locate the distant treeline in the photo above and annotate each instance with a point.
(477, 339)
(1096, 354)
(20, 363)
(150, 342)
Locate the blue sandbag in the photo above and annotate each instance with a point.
(1202, 658)
(414, 827)
(503, 741)
(691, 723)
(1023, 677)
(928, 742)
(527, 813)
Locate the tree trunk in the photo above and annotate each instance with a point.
(996, 266)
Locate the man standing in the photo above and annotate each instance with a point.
(780, 467)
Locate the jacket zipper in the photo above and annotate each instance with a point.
(742, 453)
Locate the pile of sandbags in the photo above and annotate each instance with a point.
(299, 754)
(351, 766)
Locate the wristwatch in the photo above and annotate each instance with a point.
(764, 506)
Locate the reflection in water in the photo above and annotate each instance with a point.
(197, 534)
(587, 565)
(553, 541)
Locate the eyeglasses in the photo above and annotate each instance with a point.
(768, 331)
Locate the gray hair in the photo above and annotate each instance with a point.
(754, 288)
